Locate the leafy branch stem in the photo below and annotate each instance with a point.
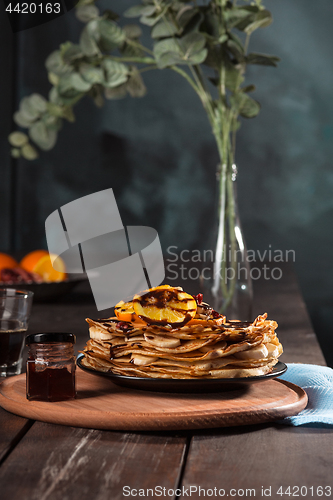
(187, 77)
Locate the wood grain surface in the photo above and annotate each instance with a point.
(100, 404)
(261, 456)
(12, 428)
(54, 462)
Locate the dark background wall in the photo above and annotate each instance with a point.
(159, 155)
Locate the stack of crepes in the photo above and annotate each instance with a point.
(167, 333)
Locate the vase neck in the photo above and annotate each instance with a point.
(228, 171)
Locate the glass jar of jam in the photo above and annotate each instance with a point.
(51, 367)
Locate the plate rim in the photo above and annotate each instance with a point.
(4, 284)
(282, 369)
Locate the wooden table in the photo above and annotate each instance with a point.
(42, 461)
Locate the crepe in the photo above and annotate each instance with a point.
(208, 346)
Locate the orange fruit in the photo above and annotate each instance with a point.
(125, 312)
(45, 269)
(165, 305)
(6, 261)
(31, 259)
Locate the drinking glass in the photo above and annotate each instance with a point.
(15, 308)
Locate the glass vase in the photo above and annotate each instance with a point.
(229, 287)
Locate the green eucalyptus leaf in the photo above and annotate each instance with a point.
(84, 2)
(44, 137)
(237, 41)
(18, 139)
(54, 109)
(164, 29)
(172, 58)
(186, 50)
(72, 86)
(116, 92)
(191, 23)
(91, 73)
(263, 59)
(212, 25)
(54, 97)
(65, 46)
(71, 98)
(29, 152)
(245, 105)
(185, 14)
(135, 84)
(87, 12)
(52, 122)
(78, 83)
(116, 73)
(111, 34)
(235, 50)
(165, 46)
(15, 152)
(169, 59)
(235, 16)
(53, 78)
(262, 19)
(132, 31)
(55, 64)
(28, 110)
(129, 50)
(197, 58)
(72, 53)
(152, 20)
(223, 38)
(248, 88)
(149, 21)
(192, 44)
(38, 102)
(250, 108)
(88, 43)
(213, 59)
(110, 14)
(235, 125)
(140, 10)
(233, 77)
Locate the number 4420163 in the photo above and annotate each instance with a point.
(34, 8)
(305, 491)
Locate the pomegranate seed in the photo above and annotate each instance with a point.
(198, 298)
(216, 315)
(122, 325)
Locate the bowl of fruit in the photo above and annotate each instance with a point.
(36, 273)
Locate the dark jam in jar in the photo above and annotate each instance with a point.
(51, 367)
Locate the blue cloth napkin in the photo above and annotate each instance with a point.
(317, 381)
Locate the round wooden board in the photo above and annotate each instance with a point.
(101, 404)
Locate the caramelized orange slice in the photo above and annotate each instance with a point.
(125, 311)
(165, 305)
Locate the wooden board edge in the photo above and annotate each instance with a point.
(128, 422)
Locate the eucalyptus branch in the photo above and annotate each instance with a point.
(137, 60)
(140, 47)
(102, 64)
(187, 77)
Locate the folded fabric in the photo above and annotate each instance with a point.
(317, 381)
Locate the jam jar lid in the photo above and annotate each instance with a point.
(44, 338)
